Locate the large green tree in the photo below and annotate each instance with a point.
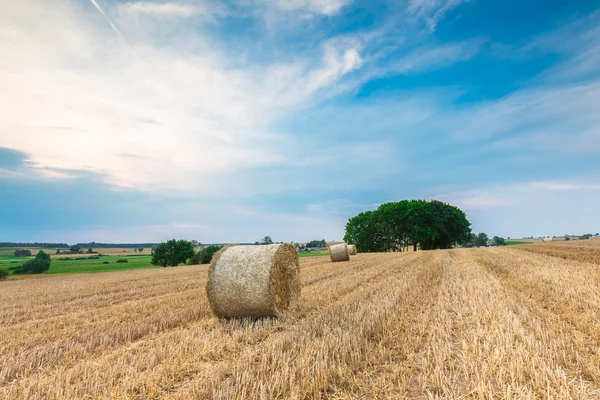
(397, 225)
(365, 232)
(172, 253)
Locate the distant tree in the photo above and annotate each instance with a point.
(205, 255)
(267, 240)
(43, 256)
(90, 250)
(75, 248)
(58, 251)
(3, 274)
(172, 253)
(135, 250)
(567, 238)
(140, 249)
(481, 240)
(317, 243)
(586, 236)
(498, 240)
(470, 242)
(256, 243)
(22, 253)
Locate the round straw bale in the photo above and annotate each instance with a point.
(254, 281)
(339, 252)
(352, 249)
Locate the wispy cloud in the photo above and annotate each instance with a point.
(172, 9)
(434, 57)
(324, 7)
(210, 118)
(433, 11)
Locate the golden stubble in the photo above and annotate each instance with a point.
(469, 323)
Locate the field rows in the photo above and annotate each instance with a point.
(469, 323)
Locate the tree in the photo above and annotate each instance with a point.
(267, 240)
(90, 251)
(567, 238)
(205, 255)
(397, 225)
(172, 253)
(317, 243)
(75, 248)
(43, 256)
(481, 240)
(39, 264)
(498, 240)
(22, 253)
(3, 274)
(140, 249)
(364, 231)
(58, 251)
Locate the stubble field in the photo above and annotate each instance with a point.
(467, 323)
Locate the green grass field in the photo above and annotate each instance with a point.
(80, 264)
(515, 242)
(83, 266)
(312, 254)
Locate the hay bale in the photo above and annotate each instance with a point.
(339, 252)
(352, 249)
(254, 281)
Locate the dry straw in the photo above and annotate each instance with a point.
(254, 281)
(339, 252)
(352, 249)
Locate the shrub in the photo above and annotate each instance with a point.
(13, 268)
(35, 266)
(22, 253)
(204, 256)
(93, 258)
(122, 261)
(39, 264)
(3, 274)
(172, 253)
(105, 262)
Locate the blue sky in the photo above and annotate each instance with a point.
(225, 121)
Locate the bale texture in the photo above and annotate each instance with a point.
(352, 249)
(339, 252)
(254, 281)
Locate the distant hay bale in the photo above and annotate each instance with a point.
(254, 281)
(339, 252)
(352, 249)
(546, 240)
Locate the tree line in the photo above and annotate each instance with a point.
(175, 252)
(36, 245)
(396, 226)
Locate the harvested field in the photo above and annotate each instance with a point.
(468, 323)
(580, 250)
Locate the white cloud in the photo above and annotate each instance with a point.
(538, 208)
(434, 57)
(432, 11)
(171, 9)
(324, 7)
(161, 121)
